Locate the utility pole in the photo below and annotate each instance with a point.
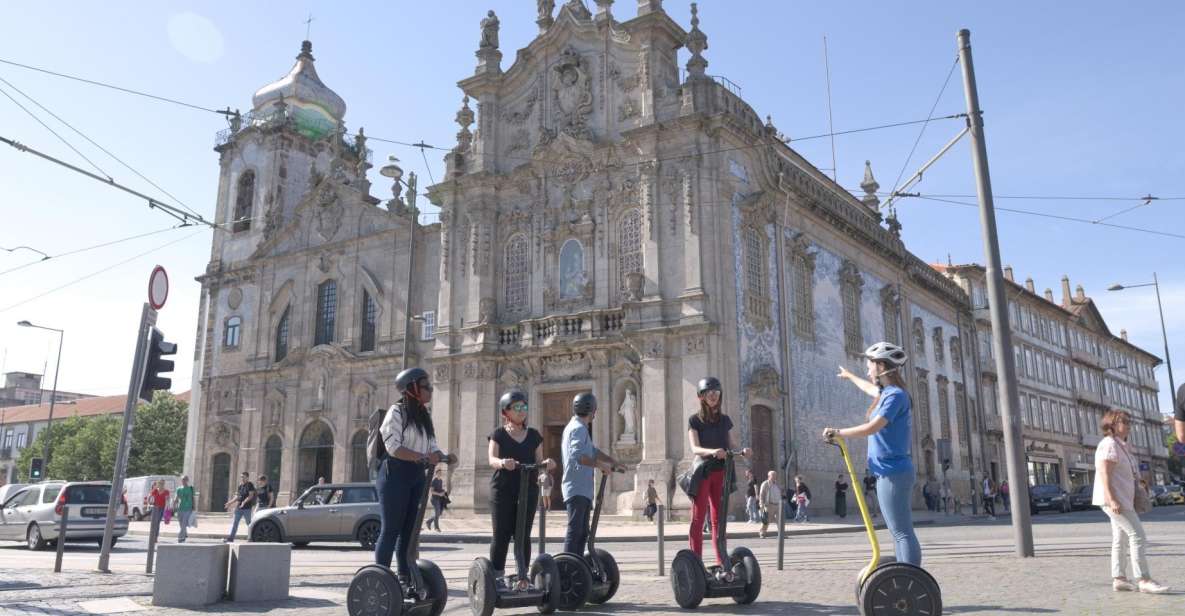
(1022, 529)
(411, 262)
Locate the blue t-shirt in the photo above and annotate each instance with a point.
(889, 449)
(577, 443)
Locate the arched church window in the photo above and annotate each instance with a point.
(234, 327)
(326, 312)
(629, 246)
(282, 335)
(244, 199)
(572, 276)
(517, 274)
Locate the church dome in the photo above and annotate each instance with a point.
(317, 109)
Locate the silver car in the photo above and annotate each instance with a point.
(34, 514)
(330, 512)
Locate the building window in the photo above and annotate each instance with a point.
(244, 198)
(20, 440)
(428, 325)
(756, 276)
(369, 322)
(938, 345)
(230, 337)
(919, 337)
(326, 312)
(923, 400)
(802, 273)
(517, 275)
(851, 282)
(8, 438)
(944, 407)
(956, 354)
(629, 247)
(891, 314)
(273, 455)
(282, 335)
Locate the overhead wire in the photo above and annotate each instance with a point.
(111, 86)
(897, 183)
(88, 248)
(55, 134)
(1053, 216)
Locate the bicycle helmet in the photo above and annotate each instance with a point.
(584, 403)
(409, 377)
(888, 352)
(707, 384)
(510, 397)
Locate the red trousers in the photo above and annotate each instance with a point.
(707, 498)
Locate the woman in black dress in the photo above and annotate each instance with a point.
(510, 445)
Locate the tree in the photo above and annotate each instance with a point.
(61, 432)
(158, 436)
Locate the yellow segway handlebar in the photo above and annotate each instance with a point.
(838, 441)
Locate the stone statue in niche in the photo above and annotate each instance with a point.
(628, 410)
(320, 400)
(572, 275)
(489, 31)
(364, 405)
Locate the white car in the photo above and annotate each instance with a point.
(34, 514)
(9, 489)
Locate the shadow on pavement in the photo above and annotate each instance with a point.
(261, 607)
(758, 607)
(995, 609)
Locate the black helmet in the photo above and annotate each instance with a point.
(409, 377)
(707, 384)
(510, 397)
(584, 404)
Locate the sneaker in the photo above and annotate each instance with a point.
(1122, 585)
(1151, 587)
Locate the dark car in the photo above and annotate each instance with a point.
(1048, 497)
(1081, 496)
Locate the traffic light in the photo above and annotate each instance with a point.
(35, 470)
(157, 348)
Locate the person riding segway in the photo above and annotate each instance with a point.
(898, 585)
(405, 450)
(514, 450)
(709, 483)
(592, 576)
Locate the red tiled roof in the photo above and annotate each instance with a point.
(83, 407)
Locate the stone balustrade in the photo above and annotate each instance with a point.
(545, 331)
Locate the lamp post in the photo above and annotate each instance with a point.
(1168, 362)
(395, 172)
(53, 397)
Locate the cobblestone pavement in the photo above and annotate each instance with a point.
(974, 563)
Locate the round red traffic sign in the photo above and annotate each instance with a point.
(158, 288)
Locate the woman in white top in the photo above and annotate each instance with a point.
(1114, 493)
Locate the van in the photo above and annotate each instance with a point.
(138, 489)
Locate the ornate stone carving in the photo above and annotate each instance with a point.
(572, 93)
(688, 203)
(443, 373)
(634, 282)
(464, 119)
(489, 31)
(519, 118)
(627, 110)
(544, 9)
(485, 310)
(565, 367)
(578, 9)
(234, 297)
(765, 382)
(695, 345)
(653, 347)
(520, 141)
(328, 213)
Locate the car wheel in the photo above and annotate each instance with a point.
(368, 534)
(265, 531)
(300, 544)
(33, 538)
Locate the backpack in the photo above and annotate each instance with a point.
(376, 450)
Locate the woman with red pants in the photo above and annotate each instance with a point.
(709, 432)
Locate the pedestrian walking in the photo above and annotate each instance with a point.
(751, 496)
(546, 485)
(768, 495)
(652, 500)
(265, 494)
(1117, 493)
(889, 438)
(123, 502)
(509, 446)
(580, 458)
(945, 493)
(240, 504)
(870, 492)
(183, 508)
(841, 497)
(989, 497)
(1004, 496)
(159, 497)
(802, 499)
(437, 497)
(928, 493)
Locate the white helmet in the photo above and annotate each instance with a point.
(886, 351)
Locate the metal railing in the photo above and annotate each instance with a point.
(276, 117)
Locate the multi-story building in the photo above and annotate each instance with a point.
(1070, 369)
(21, 388)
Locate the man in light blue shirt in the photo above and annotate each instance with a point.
(580, 456)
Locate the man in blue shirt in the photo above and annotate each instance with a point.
(580, 456)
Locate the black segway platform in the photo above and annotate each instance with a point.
(592, 577)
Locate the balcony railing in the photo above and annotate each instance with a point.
(545, 331)
(312, 127)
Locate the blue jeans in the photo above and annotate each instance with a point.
(401, 484)
(240, 514)
(895, 493)
(578, 510)
(184, 518)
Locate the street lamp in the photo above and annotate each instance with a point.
(395, 172)
(53, 397)
(1163, 332)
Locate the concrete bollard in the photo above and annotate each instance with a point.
(259, 571)
(153, 535)
(662, 565)
(57, 562)
(781, 533)
(190, 574)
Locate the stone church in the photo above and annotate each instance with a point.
(611, 221)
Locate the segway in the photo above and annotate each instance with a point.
(885, 586)
(692, 581)
(378, 591)
(543, 578)
(594, 576)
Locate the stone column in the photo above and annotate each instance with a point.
(477, 393)
(657, 455)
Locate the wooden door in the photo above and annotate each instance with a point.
(557, 412)
(762, 433)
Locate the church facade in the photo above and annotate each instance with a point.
(610, 221)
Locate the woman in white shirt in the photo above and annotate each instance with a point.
(1114, 493)
(409, 442)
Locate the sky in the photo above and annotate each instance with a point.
(1080, 101)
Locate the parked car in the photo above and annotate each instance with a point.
(330, 512)
(1048, 497)
(9, 489)
(1081, 496)
(139, 488)
(34, 514)
(1158, 496)
(1173, 495)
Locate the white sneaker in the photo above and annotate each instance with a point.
(1151, 587)
(1120, 585)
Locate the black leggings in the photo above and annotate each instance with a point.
(504, 512)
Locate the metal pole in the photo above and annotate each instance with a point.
(153, 535)
(662, 559)
(1022, 529)
(542, 528)
(53, 398)
(411, 259)
(147, 320)
(57, 563)
(1168, 362)
(781, 531)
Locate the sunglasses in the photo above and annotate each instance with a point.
(424, 385)
(520, 407)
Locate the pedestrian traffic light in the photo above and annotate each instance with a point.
(154, 366)
(35, 469)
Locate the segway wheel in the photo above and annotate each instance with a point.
(374, 591)
(612, 576)
(545, 576)
(861, 578)
(434, 582)
(902, 589)
(483, 594)
(745, 564)
(687, 579)
(575, 581)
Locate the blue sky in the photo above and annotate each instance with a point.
(1081, 101)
